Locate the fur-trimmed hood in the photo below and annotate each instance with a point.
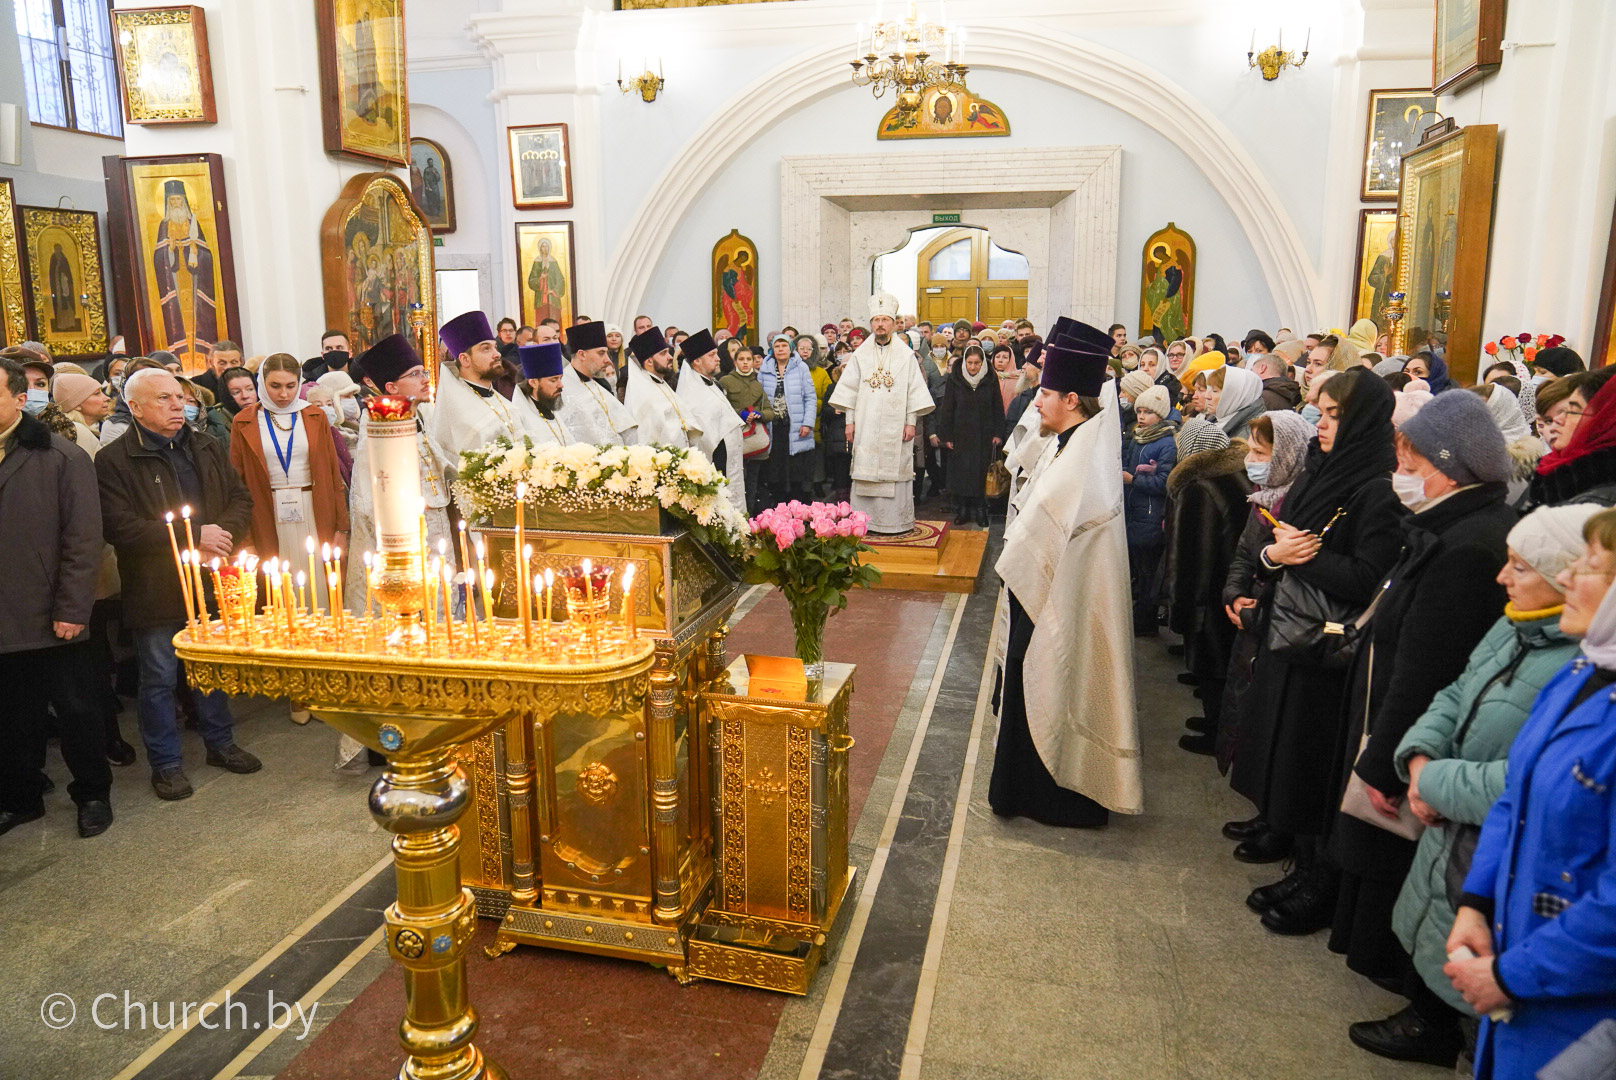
(32, 433)
(1208, 465)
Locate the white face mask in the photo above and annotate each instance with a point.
(1410, 489)
(350, 407)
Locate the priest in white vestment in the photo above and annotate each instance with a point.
(468, 412)
(883, 392)
(663, 419)
(590, 410)
(1068, 746)
(709, 407)
(544, 367)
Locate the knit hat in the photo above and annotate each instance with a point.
(1560, 360)
(1154, 399)
(69, 390)
(1135, 383)
(340, 383)
(1409, 402)
(1550, 538)
(1456, 433)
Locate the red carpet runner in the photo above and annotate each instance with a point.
(565, 1016)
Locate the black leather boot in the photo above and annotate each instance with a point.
(1265, 847)
(982, 513)
(963, 517)
(1406, 1036)
(1241, 830)
(1309, 909)
(1265, 897)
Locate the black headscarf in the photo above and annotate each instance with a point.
(1364, 450)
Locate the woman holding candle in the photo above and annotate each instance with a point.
(283, 449)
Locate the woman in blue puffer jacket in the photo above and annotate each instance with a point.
(1148, 455)
(1454, 759)
(1539, 904)
(789, 470)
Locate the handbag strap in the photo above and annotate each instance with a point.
(1369, 687)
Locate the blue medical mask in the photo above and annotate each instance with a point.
(192, 412)
(37, 400)
(1257, 471)
(1311, 414)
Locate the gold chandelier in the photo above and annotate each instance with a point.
(903, 56)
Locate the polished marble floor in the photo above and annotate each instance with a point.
(978, 948)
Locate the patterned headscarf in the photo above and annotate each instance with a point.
(1291, 436)
(1197, 434)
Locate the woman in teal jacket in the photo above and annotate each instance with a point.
(1454, 760)
(1539, 906)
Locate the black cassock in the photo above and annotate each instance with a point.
(1022, 785)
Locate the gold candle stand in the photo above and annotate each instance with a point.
(418, 710)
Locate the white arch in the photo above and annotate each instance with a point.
(1024, 47)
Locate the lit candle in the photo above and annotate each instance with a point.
(197, 592)
(314, 576)
(336, 587)
(304, 593)
(629, 626)
(179, 565)
(522, 565)
(522, 587)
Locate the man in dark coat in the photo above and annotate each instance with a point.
(969, 423)
(157, 469)
(50, 530)
(1279, 393)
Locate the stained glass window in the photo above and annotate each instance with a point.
(68, 65)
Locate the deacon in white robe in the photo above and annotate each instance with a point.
(883, 392)
(544, 367)
(663, 419)
(590, 411)
(1068, 747)
(720, 424)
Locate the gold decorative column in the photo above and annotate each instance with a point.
(664, 787)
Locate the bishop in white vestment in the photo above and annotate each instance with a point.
(591, 412)
(663, 419)
(883, 392)
(1068, 747)
(709, 406)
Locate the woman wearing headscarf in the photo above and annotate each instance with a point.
(1148, 457)
(1236, 398)
(1537, 909)
(1195, 422)
(1207, 361)
(969, 423)
(1363, 335)
(1581, 431)
(1525, 387)
(1206, 511)
(1454, 759)
(1432, 368)
(726, 355)
(1340, 533)
(1278, 446)
(1153, 362)
(808, 350)
(1440, 598)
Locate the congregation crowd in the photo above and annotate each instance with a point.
(1390, 592)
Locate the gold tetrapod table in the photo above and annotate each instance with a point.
(417, 710)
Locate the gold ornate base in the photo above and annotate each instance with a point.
(765, 953)
(603, 936)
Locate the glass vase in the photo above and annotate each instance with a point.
(808, 620)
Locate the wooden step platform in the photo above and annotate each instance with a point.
(934, 557)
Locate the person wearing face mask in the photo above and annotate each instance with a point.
(1454, 759)
(342, 408)
(1148, 456)
(203, 412)
(1340, 532)
(283, 449)
(1439, 599)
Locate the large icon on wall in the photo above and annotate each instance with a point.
(67, 298)
(1167, 285)
(1397, 118)
(541, 166)
(950, 111)
(735, 281)
(364, 87)
(432, 184)
(1444, 218)
(376, 258)
(174, 273)
(13, 298)
(1469, 42)
(545, 271)
(163, 65)
(1377, 265)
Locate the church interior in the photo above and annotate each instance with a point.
(734, 814)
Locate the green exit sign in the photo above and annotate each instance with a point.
(437, 241)
(945, 219)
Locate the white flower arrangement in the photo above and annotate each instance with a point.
(683, 482)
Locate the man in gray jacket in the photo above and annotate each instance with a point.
(50, 530)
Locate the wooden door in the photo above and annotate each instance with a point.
(963, 274)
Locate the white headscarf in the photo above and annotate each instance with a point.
(1599, 643)
(973, 381)
(298, 403)
(1240, 389)
(1506, 410)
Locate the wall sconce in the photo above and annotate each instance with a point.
(1275, 59)
(648, 83)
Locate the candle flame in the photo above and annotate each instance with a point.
(299, 579)
(367, 560)
(185, 511)
(549, 577)
(169, 517)
(588, 566)
(308, 545)
(325, 552)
